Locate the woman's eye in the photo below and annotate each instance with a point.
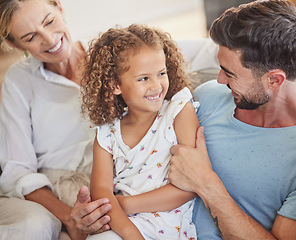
(50, 22)
(31, 38)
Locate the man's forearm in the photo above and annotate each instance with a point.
(231, 221)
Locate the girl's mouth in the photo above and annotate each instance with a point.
(154, 97)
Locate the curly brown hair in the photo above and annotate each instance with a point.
(106, 62)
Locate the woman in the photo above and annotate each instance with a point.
(46, 147)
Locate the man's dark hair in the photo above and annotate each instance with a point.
(264, 32)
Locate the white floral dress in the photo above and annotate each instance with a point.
(145, 167)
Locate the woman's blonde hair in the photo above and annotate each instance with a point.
(7, 9)
(106, 62)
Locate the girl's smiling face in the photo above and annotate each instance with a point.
(144, 85)
(39, 28)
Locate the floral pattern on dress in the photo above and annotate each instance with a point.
(145, 167)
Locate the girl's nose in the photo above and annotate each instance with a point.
(155, 84)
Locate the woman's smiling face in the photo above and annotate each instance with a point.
(38, 27)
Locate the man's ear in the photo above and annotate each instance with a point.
(276, 78)
(117, 90)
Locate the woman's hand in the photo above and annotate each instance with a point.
(74, 232)
(90, 217)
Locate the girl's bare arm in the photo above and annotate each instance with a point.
(102, 187)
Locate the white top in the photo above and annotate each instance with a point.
(41, 127)
(145, 167)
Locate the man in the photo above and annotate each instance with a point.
(251, 191)
(247, 183)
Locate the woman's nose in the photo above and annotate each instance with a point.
(48, 37)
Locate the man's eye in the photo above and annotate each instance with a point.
(227, 75)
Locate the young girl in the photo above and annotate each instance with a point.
(135, 90)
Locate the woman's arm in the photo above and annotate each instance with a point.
(168, 197)
(101, 186)
(47, 199)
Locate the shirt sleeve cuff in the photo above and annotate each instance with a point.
(29, 183)
(288, 208)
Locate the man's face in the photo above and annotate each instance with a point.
(248, 92)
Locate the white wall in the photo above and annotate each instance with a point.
(86, 18)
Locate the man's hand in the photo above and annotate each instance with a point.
(189, 165)
(90, 217)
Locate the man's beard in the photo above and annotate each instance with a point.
(251, 105)
(257, 101)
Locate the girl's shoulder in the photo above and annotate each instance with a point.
(179, 100)
(182, 94)
(172, 108)
(106, 135)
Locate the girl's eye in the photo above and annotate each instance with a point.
(162, 73)
(143, 79)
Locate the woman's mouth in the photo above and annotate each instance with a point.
(56, 47)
